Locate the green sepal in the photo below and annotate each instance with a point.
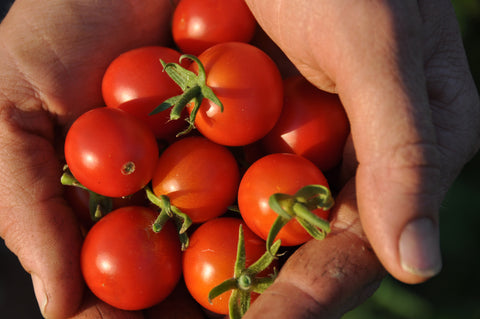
(194, 89)
(315, 196)
(225, 286)
(300, 206)
(98, 205)
(245, 280)
(168, 211)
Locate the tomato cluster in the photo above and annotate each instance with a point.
(200, 168)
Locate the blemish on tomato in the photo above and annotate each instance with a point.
(128, 168)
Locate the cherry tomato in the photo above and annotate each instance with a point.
(136, 83)
(276, 173)
(110, 152)
(313, 124)
(210, 259)
(126, 264)
(200, 177)
(199, 24)
(248, 84)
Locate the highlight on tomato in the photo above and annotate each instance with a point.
(313, 124)
(301, 204)
(199, 177)
(128, 265)
(111, 152)
(200, 24)
(135, 82)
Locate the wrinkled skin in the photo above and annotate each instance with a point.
(398, 66)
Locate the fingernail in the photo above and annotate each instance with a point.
(40, 293)
(420, 248)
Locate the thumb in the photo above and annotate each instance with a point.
(398, 177)
(368, 51)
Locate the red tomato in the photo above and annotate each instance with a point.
(136, 83)
(200, 177)
(199, 24)
(313, 124)
(248, 84)
(276, 173)
(126, 264)
(110, 152)
(210, 259)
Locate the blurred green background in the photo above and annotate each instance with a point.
(455, 293)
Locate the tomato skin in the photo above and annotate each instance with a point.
(248, 84)
(136, 83)
(200, 24)
(200, 177)
(126, 264)
(276, 173)
(210, 259)
(313, 124)
(101, 146)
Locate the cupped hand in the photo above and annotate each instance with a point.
(400, 70)
(52, 58)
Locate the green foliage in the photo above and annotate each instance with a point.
(468, 13)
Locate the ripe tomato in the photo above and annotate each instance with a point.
(210, 259)
(199, 24)
(200, 177)
(110, 152)
(126, 264)
(248, 84)
(276, 173)
(313, 124)
(136, 83)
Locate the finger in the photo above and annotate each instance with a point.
(327, 278)
(368, 51)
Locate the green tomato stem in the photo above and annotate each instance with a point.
(168, 211)
(300, 207)
(98, 205)
(223, 287)
(245, 280)
(194, 89)
(306, 217)
(241, 258)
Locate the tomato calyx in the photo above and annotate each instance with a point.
(300, 206)
(167, 211)
(245, 280)
(99, 205)
(194, 89)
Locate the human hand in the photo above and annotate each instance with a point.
(52, 58)
(401, 72)
(41, 76)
